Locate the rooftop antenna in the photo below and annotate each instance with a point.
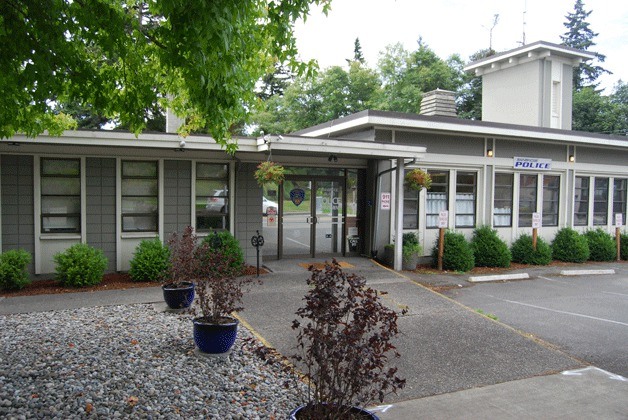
(490, 31)
(525, 10)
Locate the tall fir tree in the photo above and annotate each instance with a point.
(357, 53)
(580, 36)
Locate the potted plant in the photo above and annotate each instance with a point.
(178, 284)
(418, 179)
(344, 338)
(220, 288)
(410, 251)
(269, 172)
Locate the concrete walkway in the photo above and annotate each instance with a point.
(457, 363)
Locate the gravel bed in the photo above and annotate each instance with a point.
(131, 361)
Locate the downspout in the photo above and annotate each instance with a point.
(376, 202)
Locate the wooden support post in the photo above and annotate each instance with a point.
(441, 248)
(618, 240)
(535, 235)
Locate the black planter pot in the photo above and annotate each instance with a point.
(367, 415)
(178, 297)
(215, 338)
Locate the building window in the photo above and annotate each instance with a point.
(212, 196)
(581, 202)
(410, 208)
(140, 199)
(60, 195)
(437, 197)
(551, 194)
(600, 201)
(466, 187)
(502, 203)
(619, 198)
(527, 199)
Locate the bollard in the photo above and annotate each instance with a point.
(257, 241)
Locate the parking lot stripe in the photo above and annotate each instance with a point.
(566, 313)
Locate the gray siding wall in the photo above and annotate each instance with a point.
(605, 156)
(360, 135)
(383, 135)
(442, 144)
(18, 225)
(100, 174)
(508, 149)
(567, 96)
(177, 195)
(248, 201)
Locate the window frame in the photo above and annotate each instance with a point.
(622, 193)
(474, 187)
(43, 195)
(505, 187)
(434, 215)
(556, 214)
(578, 202)
(528, 220)
(226, 183)
(601, 203)
(154, 214)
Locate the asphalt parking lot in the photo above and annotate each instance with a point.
(584, 316)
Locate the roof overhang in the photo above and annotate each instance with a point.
(530, 52)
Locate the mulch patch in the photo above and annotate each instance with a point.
(110, 281)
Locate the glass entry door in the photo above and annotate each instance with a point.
(312, 217)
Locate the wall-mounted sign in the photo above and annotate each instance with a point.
(385, 201)
(297, 196)
(619, 220)
(271, 220)
(443, 219)
(536, 220)
(535, 164)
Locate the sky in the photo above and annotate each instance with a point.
(458, 27)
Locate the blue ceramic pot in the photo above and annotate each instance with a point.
(215, 338)
(357, 412)
(179, 297)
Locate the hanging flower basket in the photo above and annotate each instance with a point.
(418, 179)
(269, 172)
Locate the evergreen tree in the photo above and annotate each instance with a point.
(580, 36)
(357, 52)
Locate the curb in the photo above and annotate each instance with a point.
(499, 277)
(585, 272)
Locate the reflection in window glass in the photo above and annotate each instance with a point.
(60, 195)
(410, 208)
(619, 198)
(437, 197)
(527, 199)
(502, 204)
(140, 200)
(551, 193)
(581, 202)
(212, 192)
(465, 199)
(600, 201)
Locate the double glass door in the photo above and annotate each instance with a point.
(312, 216)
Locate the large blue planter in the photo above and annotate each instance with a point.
(179, 297)
(215, 338)
(355, 411)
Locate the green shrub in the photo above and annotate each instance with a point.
(602, 247)
(457, 254)
(13, 274)
(489, 250)
(570, 246)
(523, 252)
(80, 265)
(409, 239)
(150, 261)
(227, 245)
(623, 250)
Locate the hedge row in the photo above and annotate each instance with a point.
(487, 249)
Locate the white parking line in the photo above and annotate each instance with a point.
(554, 280)
(567, 313)
(613, 293)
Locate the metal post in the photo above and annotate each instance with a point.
(257, 241)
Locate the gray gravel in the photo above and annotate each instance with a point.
(130, 361)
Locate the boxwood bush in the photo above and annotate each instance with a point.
(489, 250)
(570, 246)
(523, 252)
(150, 261)
(623, 249)
(602, 247)
(457, 253)
(13, 274)
(227, 244)
(80, 265)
